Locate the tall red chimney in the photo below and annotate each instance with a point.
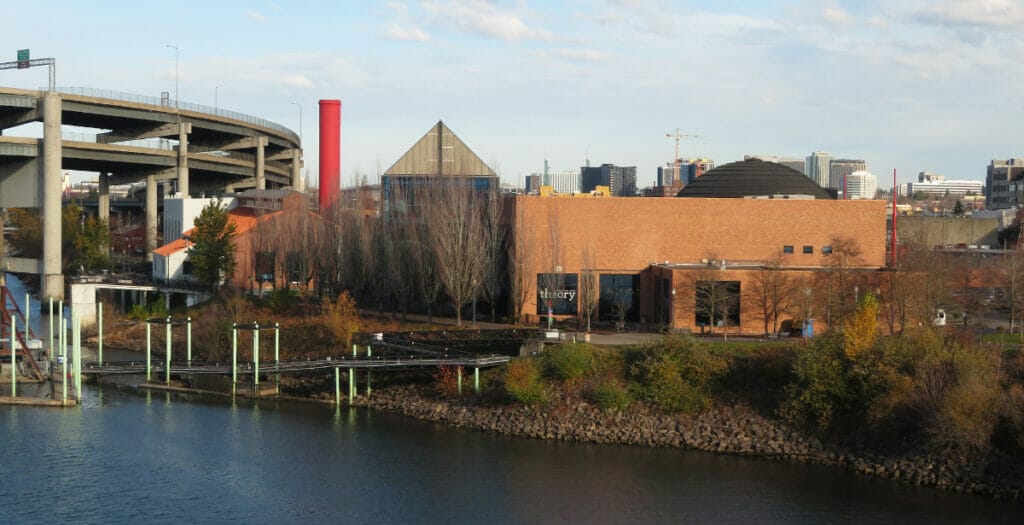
(330, 152)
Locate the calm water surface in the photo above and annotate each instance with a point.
(161, 458)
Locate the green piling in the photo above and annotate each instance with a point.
(256, 359)
(49, 348)
(63, 328)
(476, 379)
(337, 386)
(458, 373)
(369, 353)
(234, 359)
(352, 377)
(149, 350)
(277, 356)
(167, 366)
(188, 340)
(78, 356)
(99, 325)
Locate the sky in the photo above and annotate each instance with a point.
(910, 85)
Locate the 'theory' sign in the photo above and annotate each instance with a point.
(569, 295)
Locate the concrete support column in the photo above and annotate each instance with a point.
(184, 129)
(261, 177)
(151, 187)
(297, 183)
(104, 197)
(53, 279)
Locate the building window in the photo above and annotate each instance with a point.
(808, 249)
(557, 291)
(826, 250)
(717, 304)
(265, 267)
(787, 249)
(620, 297)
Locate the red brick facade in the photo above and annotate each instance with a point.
(629, 235)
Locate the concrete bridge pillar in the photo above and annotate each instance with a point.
(104, 197)
(53, 278)
(150, 216)
(184, 128)
(261, 177)
(297, 182)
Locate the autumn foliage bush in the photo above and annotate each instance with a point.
(523, 382)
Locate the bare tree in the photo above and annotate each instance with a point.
(457, 233)
(836, 281)
(714, 298)
(589, 292)
(492, 280)
(771, 291)
(520, 257)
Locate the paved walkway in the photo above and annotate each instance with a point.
(596, 337)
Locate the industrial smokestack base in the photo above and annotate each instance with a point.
(330, 152)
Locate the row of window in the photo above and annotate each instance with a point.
(826, 250)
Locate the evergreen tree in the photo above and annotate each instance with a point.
(958, 208)
(213, 250)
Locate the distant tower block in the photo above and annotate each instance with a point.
(330, 152)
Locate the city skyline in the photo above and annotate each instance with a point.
(605, 80)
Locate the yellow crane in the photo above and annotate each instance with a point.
(677, 135)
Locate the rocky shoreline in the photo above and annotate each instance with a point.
(723, 429)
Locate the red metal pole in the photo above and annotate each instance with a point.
(330, 152)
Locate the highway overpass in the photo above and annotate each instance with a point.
(174, 147)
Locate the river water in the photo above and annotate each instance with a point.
(125, 456)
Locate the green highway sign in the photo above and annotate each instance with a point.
(23, 54)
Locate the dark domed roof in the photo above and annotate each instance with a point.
(753, 177)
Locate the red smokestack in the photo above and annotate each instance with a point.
(330, 152)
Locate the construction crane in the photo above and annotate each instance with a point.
(677, 135)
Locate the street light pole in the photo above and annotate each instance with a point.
(175, 48)
(300, 120)
(215, 90)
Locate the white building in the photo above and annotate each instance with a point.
(566, 182)
(861, 185)
(937, 186)
(180, 214)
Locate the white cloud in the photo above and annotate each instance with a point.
(583, 54)
(834, 14)
(253, 15)
(399, 8)
(980, 14)
(483, 18)
(410, 34)
(299, 81)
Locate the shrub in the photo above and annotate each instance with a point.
(569, 362)
(676, 373)
(523, 382)
(610, 395)
(822, 389)
(446, 381)
(342, 318)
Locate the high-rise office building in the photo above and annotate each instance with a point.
(533, 183)
(840, 169)
(1004, 187)
(621, 180)
(818, 167)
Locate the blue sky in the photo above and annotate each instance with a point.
(909, 85)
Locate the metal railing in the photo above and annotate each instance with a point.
(177, 104)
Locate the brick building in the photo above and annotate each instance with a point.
(649, 255)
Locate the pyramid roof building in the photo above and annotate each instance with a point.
(439, 153)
